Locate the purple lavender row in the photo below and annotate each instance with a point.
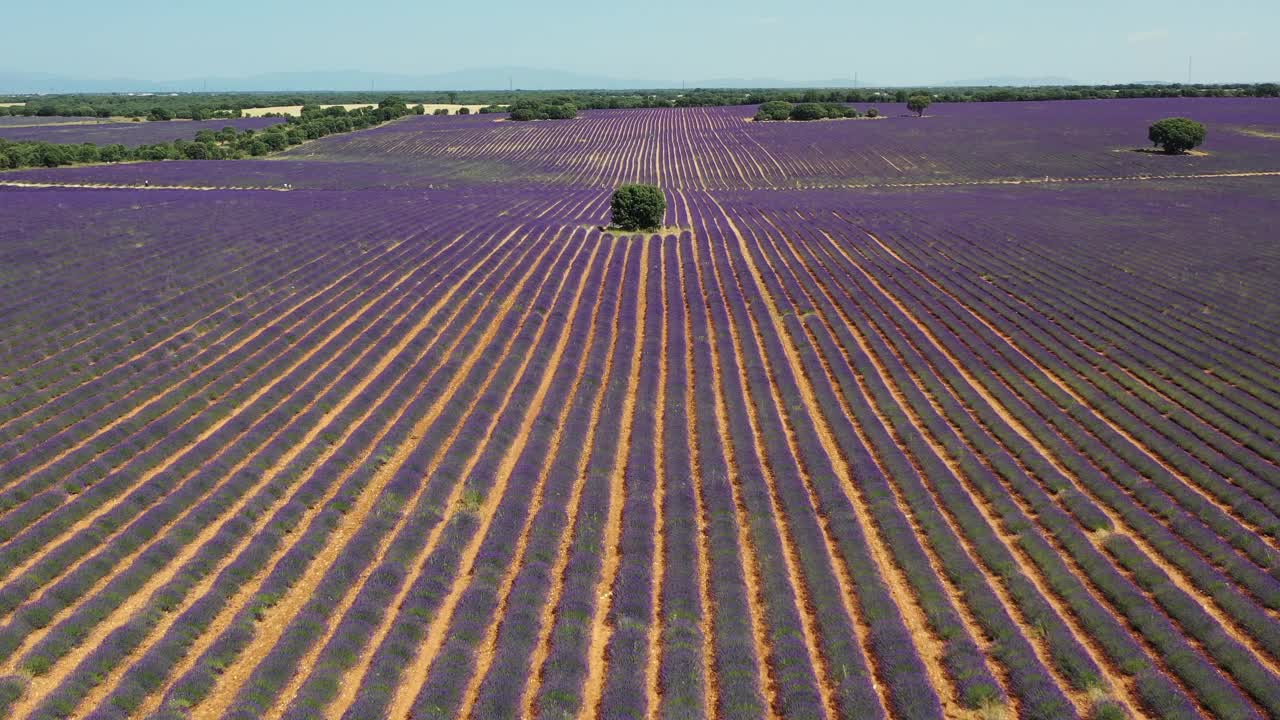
(565, 669)
(681, 676)
(130, 134)
(134, 374)
(351, 227)
(87, 406)
(156, 285)
(787, 656)
(72, 629)
(368, 611)
(910, 692)
(402, 644)
(50, 527)
(976, 686)
(1191, 529)
(109, 528)
(131, 425)
(1239, 607)
(1087, 430)
(735, 660)
(303, 271)
(1200, 676)
(1255, 390)
(1245, 374)
(632, 614)
(113, 376)
(144, 678)
(1243, 489)
(274, 672)
(1226, 460)
(501, 692)
(428, 378)
(1105, 630)
(1030, 679)
(123, 302)
(125, 441)
(198, 618)
(61, 291)
(123, 640)
(1178, 373)
(1148, 351)
(1239, 340)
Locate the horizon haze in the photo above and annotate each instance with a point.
(663, 44)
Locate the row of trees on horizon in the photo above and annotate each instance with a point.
(202, 106)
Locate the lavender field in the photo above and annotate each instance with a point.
(969, 416)
(129, 134)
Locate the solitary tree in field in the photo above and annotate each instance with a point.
(917, 104)
(638, 207)
(1176, 135)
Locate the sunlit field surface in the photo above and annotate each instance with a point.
(975, 415)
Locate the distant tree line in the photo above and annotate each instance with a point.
(203, 106)
(226, 144)
(552, 108)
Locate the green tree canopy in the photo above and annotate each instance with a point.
(917, 104)
(638, 207)
(774, 110)
(1176, 135)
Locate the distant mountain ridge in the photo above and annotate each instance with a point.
(494, 78)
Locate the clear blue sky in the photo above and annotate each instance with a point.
(921, 41)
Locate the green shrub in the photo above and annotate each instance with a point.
(1176, 135)
(808, 111)
(638, 207)
(774, 110)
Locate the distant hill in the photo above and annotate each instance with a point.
(1010, 81)
(495, 78)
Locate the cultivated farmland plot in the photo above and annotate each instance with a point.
(867, 430)
(129, 134)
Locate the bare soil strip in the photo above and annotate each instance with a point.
(121, 186)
